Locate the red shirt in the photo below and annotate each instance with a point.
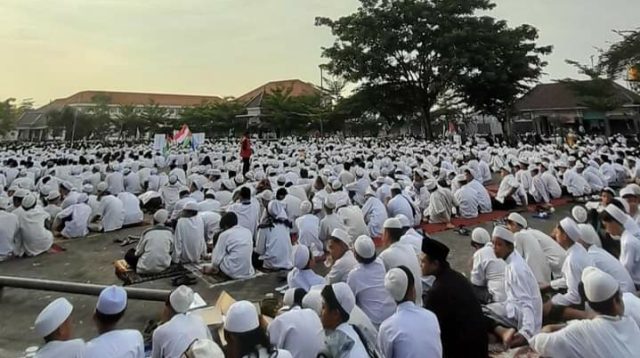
(245, 148)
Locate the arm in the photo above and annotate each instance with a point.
(386, 347)
(219, 251)
(477, 276)
(550, 344)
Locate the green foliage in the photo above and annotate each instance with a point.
(413, 52)
(8, 115)
(213, 119)
(287, 114)
(622, 54)
(63, 119)
(599, 92)
(155, 118)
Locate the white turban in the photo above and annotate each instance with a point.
(570, 228)
(503, 233)
(396, 282)
(480, 235)
(599, 286)
(579, 214)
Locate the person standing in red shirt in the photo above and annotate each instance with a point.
(245, 152)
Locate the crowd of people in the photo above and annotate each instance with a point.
(356, 206)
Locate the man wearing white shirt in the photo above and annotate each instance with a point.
(32, 238)
(482, 195)
(467, 198)
(54, 325)
(341, 255)
(246, 211)
(232, 253)
(112, 342)
(8, 230)
(190, 243)
(110, 211)
(132, 213)
(153, 252)
(509, 192)
(209, 203)
(529, 249)
(487, 272)
(550, 181)
(399, 204)
(308, 226)
(374, 213)
(75, 218)
(412, 331)
(617, 223)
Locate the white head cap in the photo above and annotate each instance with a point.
(396, 186)
(579, 214)
(619, 215)
(570, 228)
(53, 195)
(29, 201)
(480, 235)
(588, 234)
(53, 316)
(503, 233)
(364, 247)
(629, 190)
(396, 282)
(518, 219)
(392, 223)
(430, 184)
(301, 256)
(112, 300)
(344, 295)
(306, 207)
(181, 299)
(330, 202)
(313, 300)
(161, 216)
(342, 236)
(242, 317)
(204, 348)
(403, 220)
(21, 193)
(191, 206)
(87, 188)
(102, 186)
(599, 286)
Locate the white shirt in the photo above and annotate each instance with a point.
(173, 338)
(309, 233)
(358, 350)
(488, 271)
(529, 248)
(170, 195)
(482, 195)
(374, 215)
(551, 184)
(467, 201)
(74, 348)
(247, 214)
(111, 211)
(603, 336)
(232, 253)
(400, 204)
(8, 230)
(78, 225)
(577, 259)
(632, 306)
(609, 264)
(132, 212)
(132, 183)
(115, 183)
(538, 190)
(412, 332)
(353, 219)
(328, 224)
(154, 250)
(508, 183)
(32, 237)
(341, 268)
(441, 203)
(304, 279)
(179, 206)
(554, 253)
(123, 343)
(274, 247)
(630, 254)
(414, 239)
(299, 331)
(189, 240)
(209, 205)
(399, 254)
(367, 283)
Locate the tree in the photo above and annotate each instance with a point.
(599, 92)
(129, 122)
(156, 118)
(8, 115)
(623, 54)
(213, 118)
(64, 119)
(288, 114)
(425, 49)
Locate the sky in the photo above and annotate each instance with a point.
(53, 48)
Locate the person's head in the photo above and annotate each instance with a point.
(281, 194)
(111, 305)
(329, 205)
(102, 189)
(29, 202)
(178, 302)
(245, 194)
(190, 209)
(365, 250)
(613, 220)
(210, 194)
(632, 195)
(606, 196)
(392, 231)
(160, 217)
(503, 242)
(64, 188)
(434, 257)
(184, 192)
(337, 303)
(515, 222)
(504, 171)
(54, 321)
(479, 238)
(567, 233)
(602, 291)
(396, 189)
(431, 185)
(338, 243)
(302, 258)
(400, 284)
(244, 333)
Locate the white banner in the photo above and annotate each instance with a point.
(197, 139)
(158, 142)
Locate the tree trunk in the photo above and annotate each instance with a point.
(426, 119)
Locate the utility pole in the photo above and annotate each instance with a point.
(323, 102)
(73, 129)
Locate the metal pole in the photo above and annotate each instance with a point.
(322, 90)
(145, 294)
(73, 130)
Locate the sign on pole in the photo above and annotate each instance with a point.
(158, 142)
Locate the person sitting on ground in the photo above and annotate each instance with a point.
(467, 198)
(112, 342)
(73, 221)
(343, 339)
(302, 275)
(441, 204)
(367, 282)
(209, 203)
(452, 300)
(246, 210)
(110, 213)
(510, 193)
(153, 252)
(53, 204)
(246, 336)
(189, 244)
(308, 227)
(610, 333)
(487, 272)
(54, 325)
(179, 330)
(409, 235)
(132, 213)
(411, 331)
(32, 238)
(374, 213)
(180, 204)
(232, 253)
(8, 230)
(529, 248)
(331, 220)
(617, 223)
(274, 240)
(341, 255)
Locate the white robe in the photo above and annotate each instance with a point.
(154, 250)
(78, 226)
(552, 185)
(172, 338)
(630, 254)
(247, 214)
(609, 264)
(529, 249)
(8, 230)
(115, 183)
(411, 332)
(274, 247)
(367, 283)
(111, 211)
(554, 253)
(309, 233)
(32, 238)
(118, 343)
(400, 204)
(576, 261)
(441, 203)
(232, 253)
(482, 195)
(189, 240)
(304, 279)
(353, 220)
(488, 271)
(400, 254)
(467, 201)
(374, 215)
(603, 336)
(74, 348)
(341, 268)
(132, 212)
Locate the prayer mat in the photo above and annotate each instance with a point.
(130, 277)
(56, 249)
(494, 215)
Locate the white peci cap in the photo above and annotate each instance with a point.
(53, 316)
(364, 247)
(242, 317)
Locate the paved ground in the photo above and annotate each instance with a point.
(89, 260)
